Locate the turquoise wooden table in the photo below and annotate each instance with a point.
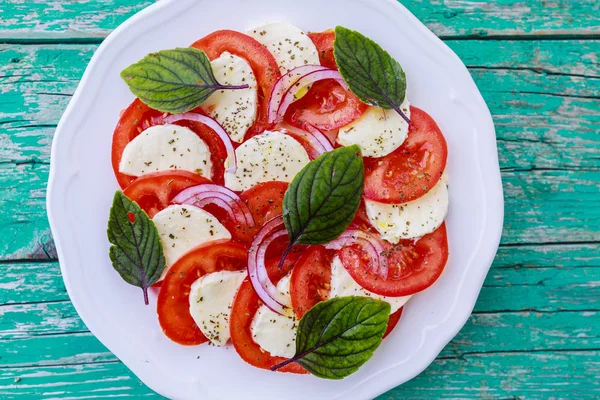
(535, 331)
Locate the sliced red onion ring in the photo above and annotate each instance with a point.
(369, 243)
(223, 197)
(212, 124)
(316, 140)
(310, 78)
(284, 83)
(265, 289)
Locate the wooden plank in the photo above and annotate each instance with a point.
(564, 375)
(547, 289)
(536, 108)
(19, 321)
(558, 203)
(546, 281)
(85, 381)
(31, 282)
(557, 331)
(541, 278)
(23, 223)
(479, 376)
(483, 332)
(93, 20)
(67, 349)
(535, 131)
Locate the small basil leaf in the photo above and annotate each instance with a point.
(323, 197)
(336, 337)
(371, 73)
(136, 251)
(173, 81)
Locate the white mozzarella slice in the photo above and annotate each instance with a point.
(270, 156)
(235, 109)
(273, 332)
(183, 227)
(166, 147)
(289, 45)
(413, 219)
(211, 297)
(377, 132)
(342, 284)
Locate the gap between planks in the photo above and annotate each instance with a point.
(45, 39)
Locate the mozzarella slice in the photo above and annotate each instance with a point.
(377, 132)
(342, 284)
(211, 297)
(235, 109)
(166, 147)
(413, 219)
(273, 332)
(270, 156)
(289, 45)
(183, 227)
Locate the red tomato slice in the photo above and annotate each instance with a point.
(154, 192)
(324, 43)
(311, 278)
(245, 306)
(128, 127)
(327, 106)
(265, 200)
(413, 267)
(413, 169)
(261, 61)
(392, 322)
(139, 115)
(173, 300)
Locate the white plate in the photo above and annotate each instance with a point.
(82, 186)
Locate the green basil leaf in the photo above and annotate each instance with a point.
(322, 199)
(136, 251)
(336, 337)
(374, 76)
(173, 81)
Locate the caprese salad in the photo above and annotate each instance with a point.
(280, 193)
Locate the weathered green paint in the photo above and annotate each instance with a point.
(64, 19)
(534, 332)
(558, 203)
(492, 375)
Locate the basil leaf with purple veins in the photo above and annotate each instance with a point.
(174, 81)
(371, 73)
(136, 251)
(336, 337)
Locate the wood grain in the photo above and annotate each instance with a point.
(94, 20)
(534, 330)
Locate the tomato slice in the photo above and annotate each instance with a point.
(173, 300)
(310, 283)
(245, 306)
(310, 280)
(327, 106)
(392, 322)
(324, 43)
(154, 192)
(413, 267)
(132, 123)
(128, 127)
(265, 200)
(261, 61)
(414, 168)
